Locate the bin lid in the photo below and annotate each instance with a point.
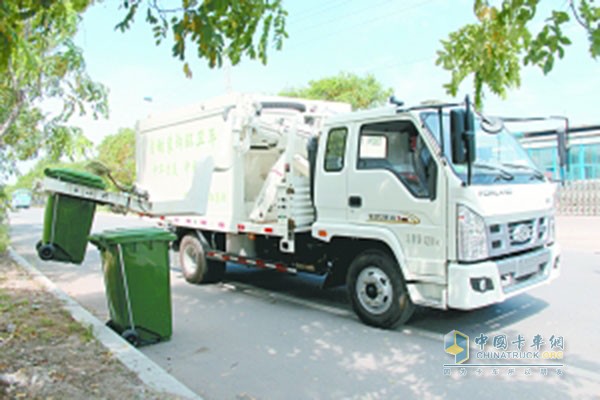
(73, 176)
(135, 235)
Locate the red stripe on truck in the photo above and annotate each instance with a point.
(281, 268)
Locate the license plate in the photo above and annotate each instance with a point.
(532, 264)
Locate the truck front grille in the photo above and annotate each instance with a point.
(515, 236)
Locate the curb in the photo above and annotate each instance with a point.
(147, 370)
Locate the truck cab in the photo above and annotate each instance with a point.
(417, 222)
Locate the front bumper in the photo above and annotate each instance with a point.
(477, 285)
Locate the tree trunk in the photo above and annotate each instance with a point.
(14, 113)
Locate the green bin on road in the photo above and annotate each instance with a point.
(67, 219)
(137, 281)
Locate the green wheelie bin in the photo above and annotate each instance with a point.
(137, 282)
(67, 219)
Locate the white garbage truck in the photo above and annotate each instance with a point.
(433, 205)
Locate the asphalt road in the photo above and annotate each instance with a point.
(265, 335)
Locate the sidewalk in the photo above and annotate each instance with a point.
(50, 347)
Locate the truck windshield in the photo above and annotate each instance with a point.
(499, 156)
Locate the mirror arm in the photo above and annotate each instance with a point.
(467, 137)
(441, 122)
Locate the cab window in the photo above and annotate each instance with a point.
(396, 146)
(335, 149)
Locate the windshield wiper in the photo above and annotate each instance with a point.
(536, 174)
(502, 174)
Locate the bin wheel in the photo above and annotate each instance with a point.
(38, 245)
(194, 264)
(46, 252)
(131, 336)
(110, 324)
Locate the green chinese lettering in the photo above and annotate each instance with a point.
(199, 138)
(160, 146)
(212, 136)
(189, 140)
(170, 145)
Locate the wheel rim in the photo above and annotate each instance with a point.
(374, 290)
(189, 264)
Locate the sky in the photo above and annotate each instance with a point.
(394, 40)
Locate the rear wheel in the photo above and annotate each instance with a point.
(377, 290)
(194, 264)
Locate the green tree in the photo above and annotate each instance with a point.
(4, 240)
(361, 92)
(494, 49)
(117, 153)
(40, 63)
(217, 29)
(36, 173)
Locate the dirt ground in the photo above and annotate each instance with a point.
(45, 354)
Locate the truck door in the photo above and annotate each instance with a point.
(331, 198)
(394, 183)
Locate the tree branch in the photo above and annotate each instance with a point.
(162, 10)
(14, 113)
(578, 18)
(17, 106)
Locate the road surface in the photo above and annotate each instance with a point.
(265, 335)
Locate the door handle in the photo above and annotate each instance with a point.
(355, 201)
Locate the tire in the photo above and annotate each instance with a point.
(46, 252)
(110, 324)
(378, 291)
(196, 268)
(131, 336)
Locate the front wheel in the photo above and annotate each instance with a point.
(194, 264)
(377, 290)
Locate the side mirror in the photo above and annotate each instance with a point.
(462, 134)
(561, 136)
(563, 152)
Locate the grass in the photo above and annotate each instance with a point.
(51, 354)
(4, 239)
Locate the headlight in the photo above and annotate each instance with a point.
(551, 230)
(472, 238)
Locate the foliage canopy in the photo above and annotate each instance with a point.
(361, 92)
(217, 29)
(493, 50)
(43, 81)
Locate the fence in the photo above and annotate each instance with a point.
(579, 198)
